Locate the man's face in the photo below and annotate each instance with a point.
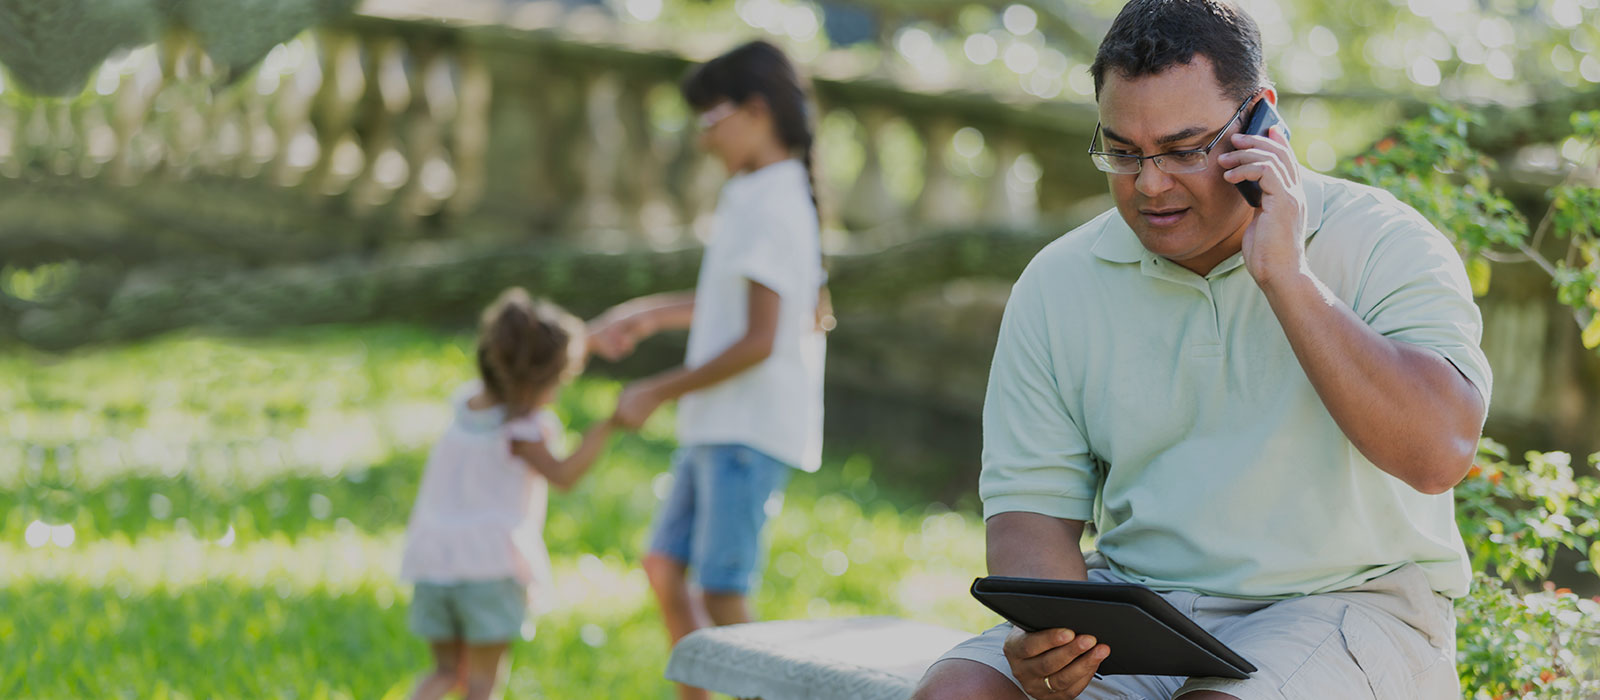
(1194, 219)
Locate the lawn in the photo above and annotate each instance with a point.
(199, 517)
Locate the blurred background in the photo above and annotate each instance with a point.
(242, 245)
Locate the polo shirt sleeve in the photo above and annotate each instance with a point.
(1415, 290)
(1035, 457)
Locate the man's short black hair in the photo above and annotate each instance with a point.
(1150, 36)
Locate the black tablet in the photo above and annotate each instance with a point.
(1146, 634)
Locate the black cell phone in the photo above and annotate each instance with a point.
(1262, 117)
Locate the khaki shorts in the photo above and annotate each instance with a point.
(1392, 637)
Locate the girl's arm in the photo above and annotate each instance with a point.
(642, 398)
(564, 473)
(624, 325)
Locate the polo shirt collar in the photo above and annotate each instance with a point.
(1118, 243)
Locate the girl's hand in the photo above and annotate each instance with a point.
(639, 400)
(614, 339)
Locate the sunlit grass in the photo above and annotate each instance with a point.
(233, 561)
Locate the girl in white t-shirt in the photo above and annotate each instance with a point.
(475, 544)
(750, 410)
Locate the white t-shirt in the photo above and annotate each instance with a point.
(766, 232)
(480, 510)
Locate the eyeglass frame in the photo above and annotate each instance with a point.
(1095, 155)
(718, 112)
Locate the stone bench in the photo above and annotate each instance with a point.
(864, 658)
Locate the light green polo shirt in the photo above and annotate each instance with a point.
(1169, 409)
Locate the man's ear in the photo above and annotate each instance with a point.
(1271, 95)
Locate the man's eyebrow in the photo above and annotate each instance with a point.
(1184, 135)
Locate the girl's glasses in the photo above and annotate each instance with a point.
(711, 117)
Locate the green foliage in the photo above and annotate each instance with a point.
(1517, 634)
(1534, 646)
(1518, 637)
(1429, 164)
(1517, 516)
(52, 47)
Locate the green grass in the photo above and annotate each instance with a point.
(197, 517)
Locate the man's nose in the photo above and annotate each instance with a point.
(1151, 180)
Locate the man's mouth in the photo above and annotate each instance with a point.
(1164, 217)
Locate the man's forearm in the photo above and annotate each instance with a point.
(1035, 546)
(1406, 408)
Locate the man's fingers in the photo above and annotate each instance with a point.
(1263, 172)
(1026, 645)
(1080, 672)
(1054, 660)
(1273, 148)
(1266, 143)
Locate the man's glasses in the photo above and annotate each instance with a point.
(1171, 162)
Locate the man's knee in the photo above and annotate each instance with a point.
(960, 679)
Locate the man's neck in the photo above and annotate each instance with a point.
(1204, 263)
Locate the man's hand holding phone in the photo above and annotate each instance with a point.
(1274, 242)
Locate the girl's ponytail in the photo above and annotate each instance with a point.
(811, 175)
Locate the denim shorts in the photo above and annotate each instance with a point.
(721, 498)
(476, 612)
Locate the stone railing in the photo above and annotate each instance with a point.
(373, 131)
(426, 129)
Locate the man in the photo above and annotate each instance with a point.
(1263, 410)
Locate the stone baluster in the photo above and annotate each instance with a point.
(10, 159)
(332, 113)
(543, 131)
(470, 129)
(1005, 201)
(638, 167)
(942, 201)
(598, 213)
(131, 105)
(432, 168)
(870, 204)
(386, 168)
(99, 142)
(300, 150)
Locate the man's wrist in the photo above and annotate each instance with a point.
(1290, 281)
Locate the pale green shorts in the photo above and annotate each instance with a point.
(477, 612)
(1389, 638)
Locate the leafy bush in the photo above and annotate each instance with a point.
(1518, 635)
